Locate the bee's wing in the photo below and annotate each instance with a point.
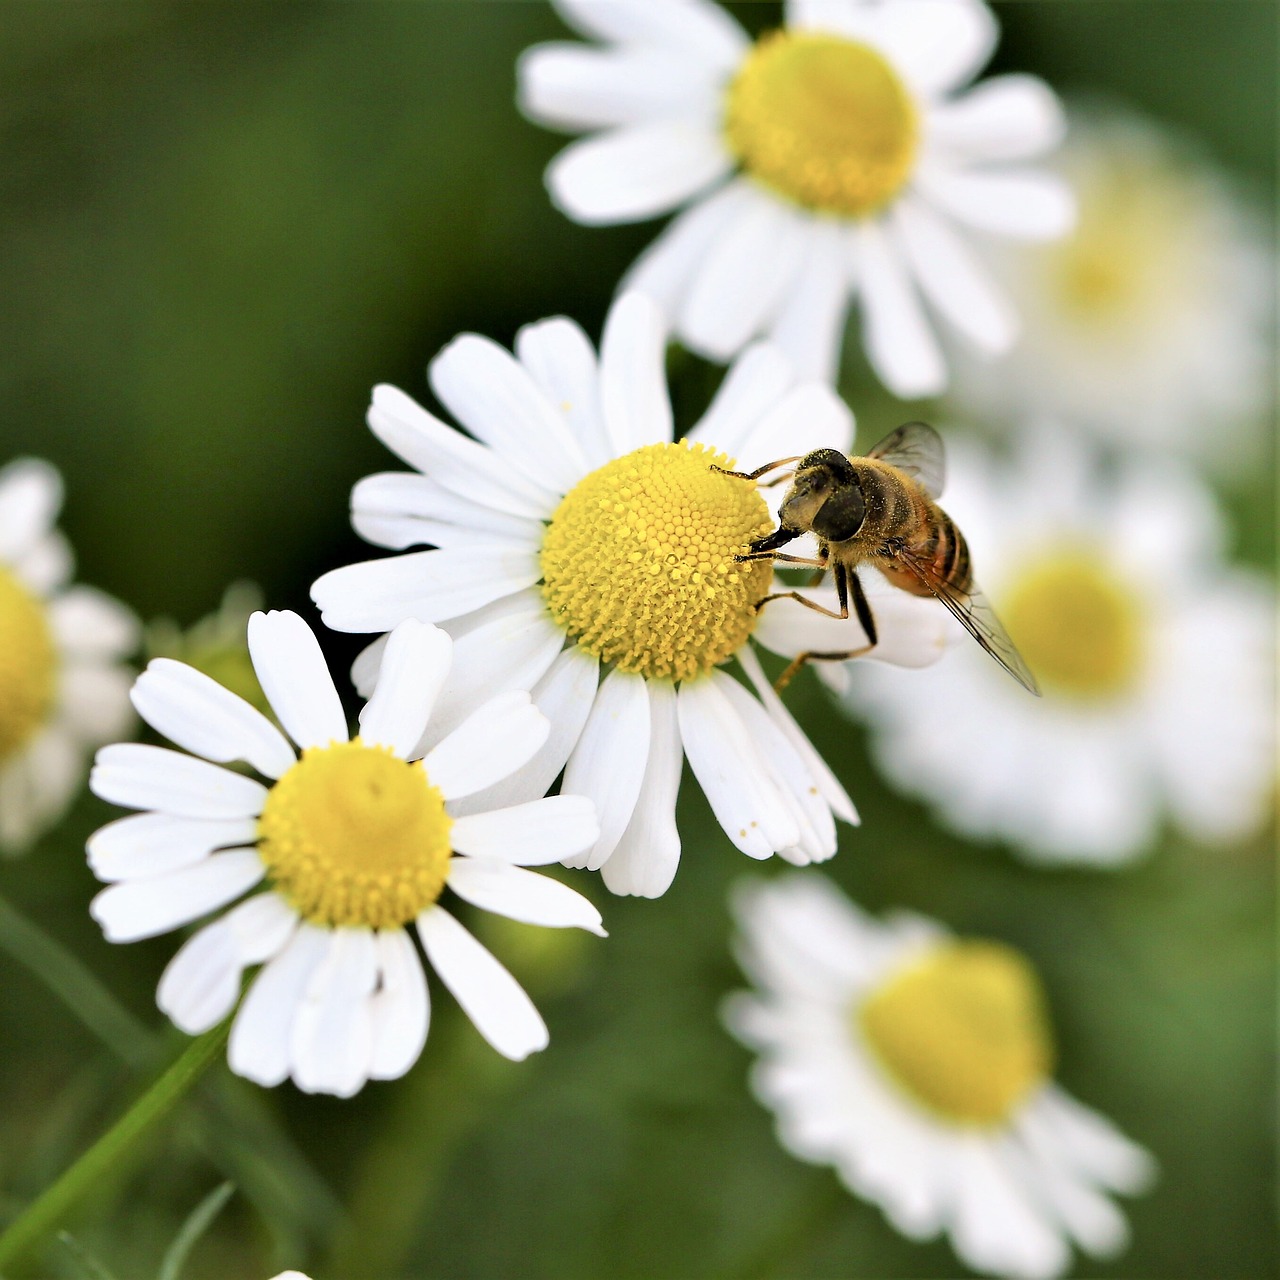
(974, 612)
(916, 448)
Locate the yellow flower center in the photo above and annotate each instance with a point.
(638, 561)
(962, 1031)
(824, 121)
(1077, 624)
(28, 665)
(353, 835)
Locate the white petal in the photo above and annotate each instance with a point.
(1012, 117)
(196, 712)
(149, 844)
(331, 1045)
(740, 283)
(364, 670)
(414, 666)
(295, 677)
(608, 763)
(645, 859)
(488, 994)
(489, 744)
(37, 785)
(201, 984)
(374, 595)
(699, 27)
(400, 1010)
(522, 895)
(135, 909)
(492, 395)
(89, 623)
(810, 416)
(755, 381)
(810, 323)
(936, 45)
(261, 1033)
(897, 337)
(633, 379)
(46, 566)
(30, 499)
(637, 171)
(730, 771)
(1091, 1143)
(562, 361)
(1025, 204)
(529, 835)
(94, 698)
(144, 777)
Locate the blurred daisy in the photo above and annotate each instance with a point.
(586, 556)
(357, 841)
(919, 1066)
(839, 157)
(1151, 323)
(63, 688)
(1155, 658)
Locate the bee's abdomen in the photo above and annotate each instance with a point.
(949, 552)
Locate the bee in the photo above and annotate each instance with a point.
(880, 510)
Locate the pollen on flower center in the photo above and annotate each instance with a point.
(825, 121)
(962, 1031)
(1076, 623)
(638, 561)
(353, 835)
(28, 665)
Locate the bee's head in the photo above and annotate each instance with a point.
(825, 496)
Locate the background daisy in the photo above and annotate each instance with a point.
(355, 843)
(1155, 657)
(63, 686)
(841, 157)
(919, 1066)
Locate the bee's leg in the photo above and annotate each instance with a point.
(786, 559)
(846, 580)
(758, 472)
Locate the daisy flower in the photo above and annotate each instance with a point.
(919, 1066)
(356, 840)
(1155, 658)
(841, 157)
(63, 688)
(585, 555)
(1151, 323)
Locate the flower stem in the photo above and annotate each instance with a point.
(106, 1155)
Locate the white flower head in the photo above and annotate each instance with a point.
(1151, 323)
(356, 839)
(839, 158)
(585, 555)
(63, 688)
(1155, 657)
(919, 1066)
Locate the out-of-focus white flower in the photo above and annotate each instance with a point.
(1151, 324)
(63, 687)
(841, 157)
(357, 840)
(1155, 657)
(919, 1066)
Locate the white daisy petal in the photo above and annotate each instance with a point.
(810, 416)
(197, 713)
(488, 994)
(492, 742)
(1090, 1142)
(701, 28)
(94, 701)
(331, 1044)
(897, 337)
(757, 379)
(295, 677)
(936, 45)
(260, 1036)
(415, 665)
(1028, 205)
(135, 909)
(88, 623)
(148, 844)
(529, 835)
(636, 172)
(562, 361)
(374, 595)
(400, 1009)
(607, 764)
(402, 509)
(809, 325)
(633, 382)
(645, 859)
(522, 895)
(1010, 117)
(145, 777)
(30, 499)
(364, 670)
(46, 565)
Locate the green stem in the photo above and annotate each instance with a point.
(106, 1155)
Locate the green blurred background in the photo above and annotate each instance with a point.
(220, 225)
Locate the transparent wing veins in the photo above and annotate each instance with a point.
(916, 448)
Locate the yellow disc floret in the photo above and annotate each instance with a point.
(638, 561)
(28, 665)
(824, 121)
(1078, 626)
(962, 1031)
(353, 835)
